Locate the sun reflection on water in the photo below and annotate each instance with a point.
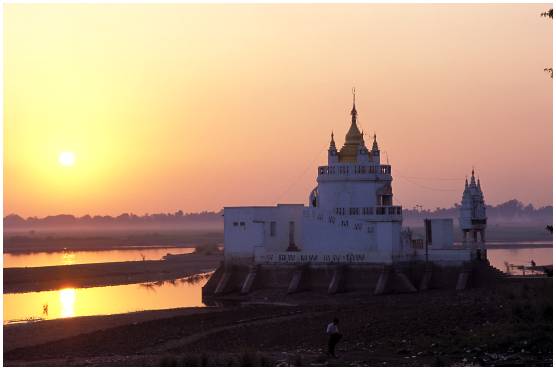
(106, 300)
(68, 258)
(67, 299)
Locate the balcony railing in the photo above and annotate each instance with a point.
(354, 170)
(369, 211)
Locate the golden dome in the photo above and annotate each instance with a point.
(354, 137)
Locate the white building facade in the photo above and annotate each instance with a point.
(472, 218)
(351, 217)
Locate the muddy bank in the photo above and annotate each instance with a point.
(22, 335)
(27, 279)
(506, 324)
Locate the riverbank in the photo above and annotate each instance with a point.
(30, 334)
(20, 280)
(506, 324)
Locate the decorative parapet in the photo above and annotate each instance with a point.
(369, 211)
(315, 258)
(354, 170)
(366, 214)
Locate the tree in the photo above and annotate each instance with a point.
(549, 15)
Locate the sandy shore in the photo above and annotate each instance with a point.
(506, 324)
(19, 280)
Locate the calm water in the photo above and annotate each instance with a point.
(73, 258)
(179, 293)
(104, 300)
(519, 256)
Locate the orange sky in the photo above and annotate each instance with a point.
(197, 107)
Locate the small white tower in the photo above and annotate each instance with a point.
(472, 216)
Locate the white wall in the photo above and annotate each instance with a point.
(241, 239)
(320, 235)
(389, 237)
(345, 194)
(442, 233)
(246, 228)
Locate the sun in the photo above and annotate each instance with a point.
(67, 159)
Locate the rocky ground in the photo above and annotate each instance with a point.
(506, 324)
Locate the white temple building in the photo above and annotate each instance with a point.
(350, 218)
(473, 212)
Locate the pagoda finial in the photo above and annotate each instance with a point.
(375, 144)
(353, 135)
(353, 110)
(473, 183)
(332, 143)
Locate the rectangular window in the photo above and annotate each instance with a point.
(428, 232)
(273, 228)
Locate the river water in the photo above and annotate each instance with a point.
(70, 302)
(72, 258)
(519, 256)
(106, 300)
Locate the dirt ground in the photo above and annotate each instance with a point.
(506, 324)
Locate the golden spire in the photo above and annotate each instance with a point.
(353, 110)
(353, 135)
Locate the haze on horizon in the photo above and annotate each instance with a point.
(197, 107)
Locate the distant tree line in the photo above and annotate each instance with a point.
(125, 219)
(510, 211)
(548, 14)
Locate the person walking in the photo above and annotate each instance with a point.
(334, 337)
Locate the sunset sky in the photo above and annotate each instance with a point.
(196, 107)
